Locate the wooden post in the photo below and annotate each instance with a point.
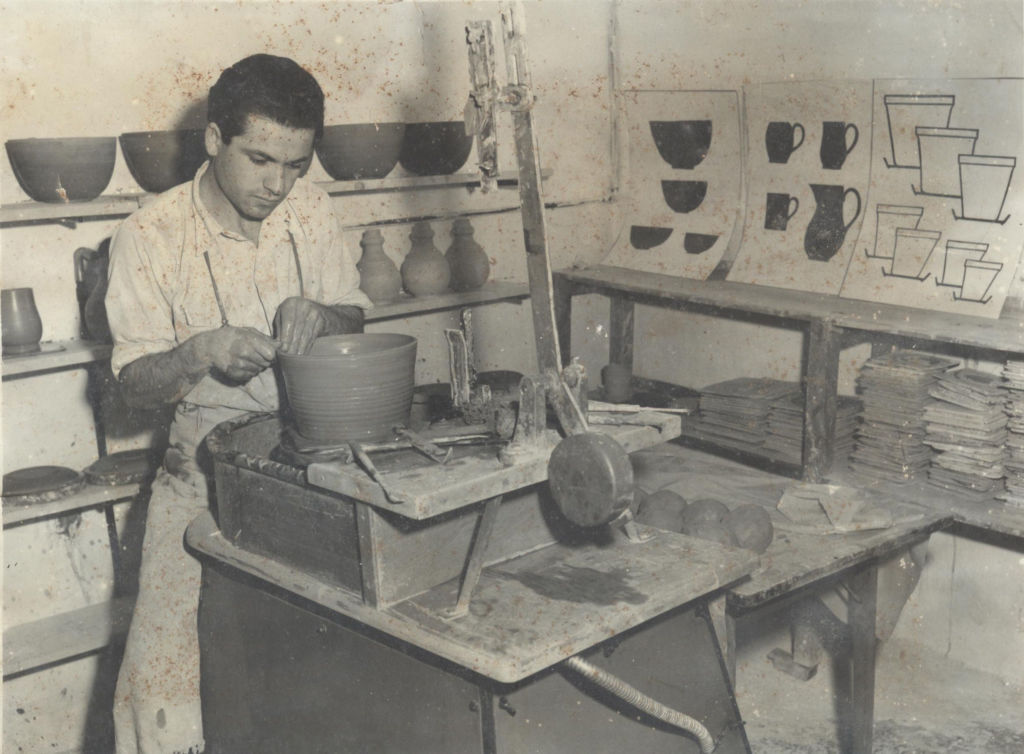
(620, 336)
(563, 290)
(820, 399)
(863, 586)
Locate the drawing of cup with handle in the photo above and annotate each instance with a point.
(984, 184)
(779, 210)
(827, 228)
(836, 143)
(978, 278)
(781, 139)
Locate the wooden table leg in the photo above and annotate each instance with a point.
(863, 586)
(725, 632)
(820, 399)
(475, 561)
(620, 335)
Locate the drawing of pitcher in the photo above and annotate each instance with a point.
(827, 229)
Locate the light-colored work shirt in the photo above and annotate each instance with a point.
(161, 290)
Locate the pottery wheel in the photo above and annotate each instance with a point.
(123, 467)
(41, 483)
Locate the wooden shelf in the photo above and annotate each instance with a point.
(719, 296)
(90, 496)
(408, 306)
(65, 636)
(121, 205)
(61, 354)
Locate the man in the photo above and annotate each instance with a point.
(206, 284)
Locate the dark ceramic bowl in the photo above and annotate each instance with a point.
(684, 196)
(63, 170)
(647, 236)
(360, 150)
(159, 160)
(682, 143)
(438, 148)
(351, 387)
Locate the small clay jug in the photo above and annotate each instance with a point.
(425, 271)
(467, 259)
(22, 327)
(378, 276)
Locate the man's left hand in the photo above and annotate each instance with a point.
(299, 322)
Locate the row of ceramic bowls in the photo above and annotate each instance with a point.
(79, 169)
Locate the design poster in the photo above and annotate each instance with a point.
(808, 150)
(682, 181)
(944, 225)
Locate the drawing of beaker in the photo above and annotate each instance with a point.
(940, 150)
(827, 229)
(978, 278)
(836, 144)
(957, 254)
(904, 112)
(984, 183)
(781, 139)
(889, 217)
(912, 251)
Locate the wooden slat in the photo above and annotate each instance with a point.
(821, 390)
(62, 637)
(60, 354)
(1003, 335)
(90, 496)
(408, 306)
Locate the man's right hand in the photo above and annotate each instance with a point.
(238, 353)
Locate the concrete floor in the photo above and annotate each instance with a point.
(924, 702)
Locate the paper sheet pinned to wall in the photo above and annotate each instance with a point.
(944, 225)
(681, 183)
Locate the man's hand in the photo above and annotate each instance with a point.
(239, 353)
(299, 322)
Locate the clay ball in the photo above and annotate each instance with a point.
(663, 509)
(713, 531)
(752, 527)
(704, 511)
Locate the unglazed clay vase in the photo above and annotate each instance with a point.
(22, 327)
(378, 276)
(467, 259)
(425, 271)
(351, 388)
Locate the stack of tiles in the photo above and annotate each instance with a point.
(734, 413)
(786, 426)
(1013, 381)
(890, 440)
(966, 426)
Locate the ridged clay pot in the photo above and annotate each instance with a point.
(379, 278)
(467, 259)
(425, 271)
(349, 388)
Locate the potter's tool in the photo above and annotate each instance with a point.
(364, 461)
(428, 448)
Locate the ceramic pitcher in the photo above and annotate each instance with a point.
(827, 229)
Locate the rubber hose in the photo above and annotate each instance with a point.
(641, 701)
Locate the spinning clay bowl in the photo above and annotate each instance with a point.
(351, 387)
(159, 160)
(63, 170)
(436, 148)
(360, 150)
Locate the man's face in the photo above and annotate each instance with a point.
(258, 168)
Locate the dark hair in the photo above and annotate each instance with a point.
(274, 87)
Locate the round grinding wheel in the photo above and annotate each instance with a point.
(591, 478)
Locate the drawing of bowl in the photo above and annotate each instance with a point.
(682, 143)
(940, 149)
(354, 151)
(159, 160)
(698, 243)
(63, 170)
(904, 112)
(647, 237)
(435, 148)
(351, 387)
(684, 196)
